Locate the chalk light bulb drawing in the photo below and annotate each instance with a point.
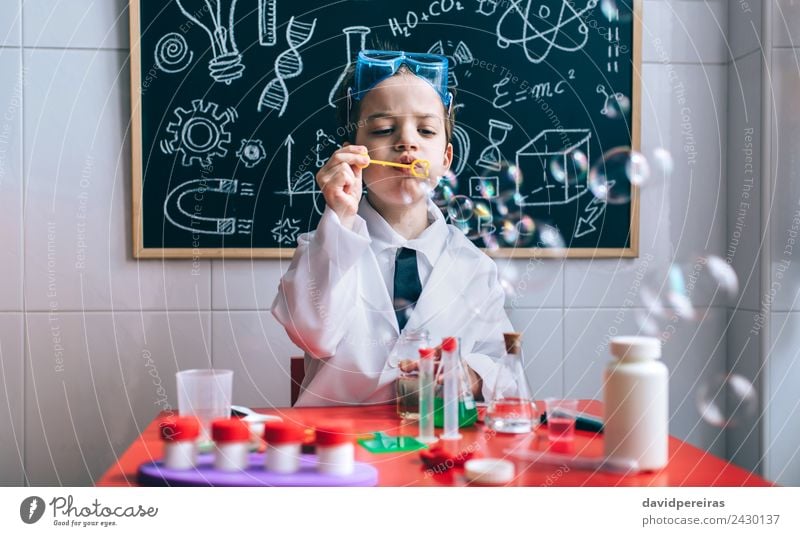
(216, 18)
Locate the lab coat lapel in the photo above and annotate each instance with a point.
(440, 289)
(374, 293)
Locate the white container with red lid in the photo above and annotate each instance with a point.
(284, 441)
(231, 444)
(335, 450)
(180, 436)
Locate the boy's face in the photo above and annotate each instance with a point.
(402, 119)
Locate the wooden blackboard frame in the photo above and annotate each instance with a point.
(140, 252)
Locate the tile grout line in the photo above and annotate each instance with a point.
(23, 183)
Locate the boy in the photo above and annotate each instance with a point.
(351, 286)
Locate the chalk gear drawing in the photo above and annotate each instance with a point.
(199, 133)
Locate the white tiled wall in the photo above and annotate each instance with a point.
(106, 313)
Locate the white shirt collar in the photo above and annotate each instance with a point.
(430, 242)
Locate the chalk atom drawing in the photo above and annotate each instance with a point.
(540, 29)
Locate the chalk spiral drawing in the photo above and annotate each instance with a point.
(172, 53)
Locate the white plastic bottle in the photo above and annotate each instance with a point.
(636, 400)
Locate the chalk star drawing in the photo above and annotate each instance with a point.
(285, 231)
(566, 31)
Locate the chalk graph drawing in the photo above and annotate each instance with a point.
(288, 64)
(540, 29)
(303, 184)
(534, 159)
(285, 231)
(199, 134)
(194, 221)
(267, 18)
(216, 17)
(353, 35)
(172, 53)
(251, 153)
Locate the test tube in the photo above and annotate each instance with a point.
(426, 393)
(450, 374)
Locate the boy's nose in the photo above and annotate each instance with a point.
(407, 141)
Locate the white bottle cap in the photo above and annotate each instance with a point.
(633, 348)
(489, 471)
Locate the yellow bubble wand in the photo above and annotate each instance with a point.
(420, 169)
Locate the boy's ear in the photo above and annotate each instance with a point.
(448, 156)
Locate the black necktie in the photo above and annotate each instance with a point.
(407, 286)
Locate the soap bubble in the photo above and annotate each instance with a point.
(569, 169)
(609, 9)
(614, 175)
(663, 160)
(618, 106)
(460, 209)
(727, 400)
(508, 274)
(445, 189)
(682, 290)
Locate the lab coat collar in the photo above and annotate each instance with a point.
(430, 242)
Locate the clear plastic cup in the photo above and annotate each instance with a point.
(561, 420)
(206, 394)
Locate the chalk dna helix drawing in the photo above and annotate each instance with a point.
(288, 64)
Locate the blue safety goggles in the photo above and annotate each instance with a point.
(375, 66)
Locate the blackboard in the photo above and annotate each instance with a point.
(231, 112)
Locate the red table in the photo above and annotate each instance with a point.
(688, 465)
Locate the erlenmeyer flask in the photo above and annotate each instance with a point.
(353, 34)
(467, 411)
(511, 409)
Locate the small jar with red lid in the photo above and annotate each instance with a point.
(231, 444)
(180, 436)
(283, 446)
(335, 450)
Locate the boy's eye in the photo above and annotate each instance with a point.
(427, 131)
(382, 131)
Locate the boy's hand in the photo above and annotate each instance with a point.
(340, 181)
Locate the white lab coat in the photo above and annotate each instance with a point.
(334, 304)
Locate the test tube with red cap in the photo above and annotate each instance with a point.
(283, 447)
(426, 393)
(335, 449)
(180, 441)
(231, 444)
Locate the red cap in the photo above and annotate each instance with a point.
(331, 434)
(279, 433)
(230, 430)
(427, 353)
(179, 429)
(449, 344)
